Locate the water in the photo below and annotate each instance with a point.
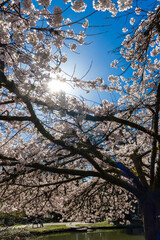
(98, 235)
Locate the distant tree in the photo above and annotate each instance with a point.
(58, 151)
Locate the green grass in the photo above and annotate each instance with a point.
(100, 224)
(19, 224)
(11, 233)
(48, 228)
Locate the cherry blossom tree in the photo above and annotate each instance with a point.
(57, 152)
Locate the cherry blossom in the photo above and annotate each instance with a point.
(59, 153)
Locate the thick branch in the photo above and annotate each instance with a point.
(10, 85)
(15, 118)
(124, 122)
(109, 118)
(49, 184)
(7, 102)
(137, 160)
(76, 172)
(8, 158)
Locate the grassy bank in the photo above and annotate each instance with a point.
(48, 228)
(27, 232)
(99, 224)
(10, 234)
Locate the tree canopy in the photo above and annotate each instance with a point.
(58, 152)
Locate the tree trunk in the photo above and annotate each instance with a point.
(150, 206)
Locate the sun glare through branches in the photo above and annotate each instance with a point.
(58, 83)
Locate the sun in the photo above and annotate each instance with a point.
(58, 84)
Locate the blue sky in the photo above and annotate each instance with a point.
(97, 52)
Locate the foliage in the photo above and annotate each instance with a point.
(12, 217)
(10, 234)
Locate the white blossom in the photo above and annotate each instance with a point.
(73, 47)
(64, 58)
(79, 6)
(132, 21)
(45, 3)
(138, 10)
(85, 24)
(124, 30)
(114, 63)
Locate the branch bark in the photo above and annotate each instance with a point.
(155, 128)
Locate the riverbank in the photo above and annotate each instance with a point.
(27, 231)
(131, 229)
